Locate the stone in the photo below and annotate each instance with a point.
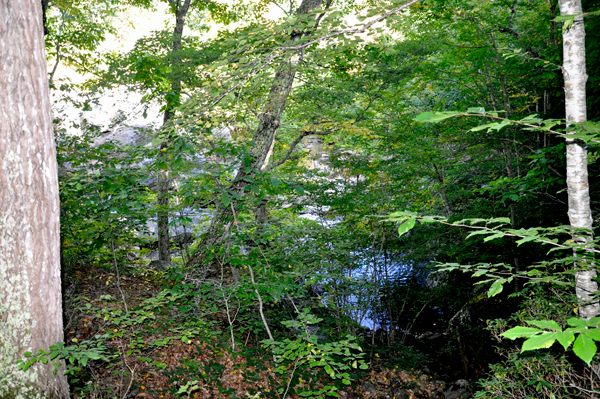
(460, 389)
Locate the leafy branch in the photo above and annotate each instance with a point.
(587, 131)
(548, 332)
(493, 229)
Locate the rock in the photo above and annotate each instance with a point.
(400, 394)
(460, 389)
(429, 336)
(158, 265)
(369, 387)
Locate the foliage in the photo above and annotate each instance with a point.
(77, 355)
(338, 358)
(549, 331)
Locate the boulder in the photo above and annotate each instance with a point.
(158, 265)
(460, 389)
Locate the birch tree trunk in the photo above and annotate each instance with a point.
(30, 286)
(162, 190)
(263, 140)
(580, 214)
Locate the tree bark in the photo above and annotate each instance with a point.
(30, 285)
(162, 190)
(263, 140)
(580, 214)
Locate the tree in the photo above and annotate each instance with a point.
(180, 10)
(30, 285)
(263, 138)
(580, 213)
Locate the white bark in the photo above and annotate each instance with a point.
(30, 300)
(580, 214)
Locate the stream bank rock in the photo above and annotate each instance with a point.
(460, 389)
(158, 265)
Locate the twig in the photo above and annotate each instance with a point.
(112, 246)
(132, 376)
(290, 380)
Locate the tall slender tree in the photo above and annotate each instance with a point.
(180, 8)
(580, 213)
(30, 285)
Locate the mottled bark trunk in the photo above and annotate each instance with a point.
(263, 141)
(30, 286)
(580, 214)
(162, 217)
(162, 190)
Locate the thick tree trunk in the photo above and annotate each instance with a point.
(263, 141)
(162, 190)
(30, 286)
(580, 214)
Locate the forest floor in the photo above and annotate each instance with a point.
(152, 356)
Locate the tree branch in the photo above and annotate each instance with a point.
(256, 66)
(295, 143)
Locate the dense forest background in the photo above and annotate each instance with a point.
(228, 233)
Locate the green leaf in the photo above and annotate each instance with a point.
(575, 322)
(544, 340)
(594, 322)
(493, 237)
(406, 226)
(476, 110)
(329, 370)
(585, 348)
(547, 324)
(346, 382)
(496, 288)
(486, 126)
(526, 239)
(593, 333)
(435, 117)
(521, 332)
(565, 338)
(225, 199)
(480, 273)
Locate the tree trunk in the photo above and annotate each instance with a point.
(580, 214)
(513, 217)
(30, 286)
(263, 141)
(173, 98)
